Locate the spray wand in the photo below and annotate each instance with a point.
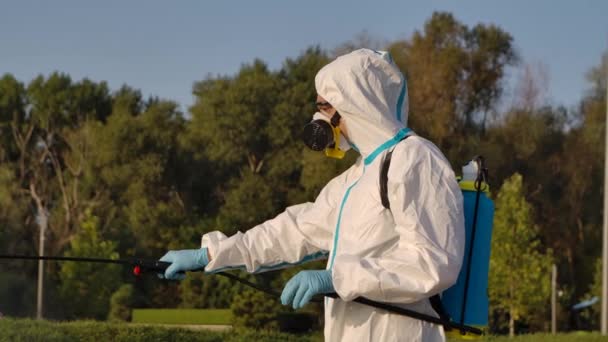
(141, 266)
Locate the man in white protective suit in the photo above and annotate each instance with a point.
(400, 256)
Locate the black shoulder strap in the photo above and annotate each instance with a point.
(435, 300)
(437, 305)
(384, 180)
(386, 163)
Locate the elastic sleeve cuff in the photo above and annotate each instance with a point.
(211, 241)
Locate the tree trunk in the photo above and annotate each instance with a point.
(42, 216)
(43, 222)
(511, 326)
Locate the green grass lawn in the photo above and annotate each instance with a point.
(566, 337)
(183, 316)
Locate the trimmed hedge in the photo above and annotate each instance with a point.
(13, 330)
(19, 330)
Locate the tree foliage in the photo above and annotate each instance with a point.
(454, 77)
(519, 281)
(87, 287)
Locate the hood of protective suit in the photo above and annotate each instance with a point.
(370, 93)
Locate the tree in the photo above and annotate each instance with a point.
(49, 145)
(363, 39)
(237, 212)
(519, 281)
(86, 287)
(572, 218)
(455, 76)
(12, 112)
(532, 87)
(136, 158)
(15, 216)
(201, 290)
(229, 116)
(262, 165)
(42, 153)
(13, 211)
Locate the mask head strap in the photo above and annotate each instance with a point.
(335, 120)
(334, 150)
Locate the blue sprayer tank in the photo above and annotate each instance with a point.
(476, 307)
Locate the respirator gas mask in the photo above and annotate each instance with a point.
(323, 134)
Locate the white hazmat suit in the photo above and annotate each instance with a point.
(400, 256)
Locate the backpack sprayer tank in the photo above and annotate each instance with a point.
(466, 302)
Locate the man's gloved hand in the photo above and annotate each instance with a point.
(303, 286)
(184, 260)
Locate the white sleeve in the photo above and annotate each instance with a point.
(299, 234)
(427, 208)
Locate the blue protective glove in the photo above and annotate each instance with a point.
(184, 260)
(303, 286)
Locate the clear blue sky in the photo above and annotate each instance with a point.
(162, 47)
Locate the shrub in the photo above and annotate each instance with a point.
(121, 303)
(254, 309)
